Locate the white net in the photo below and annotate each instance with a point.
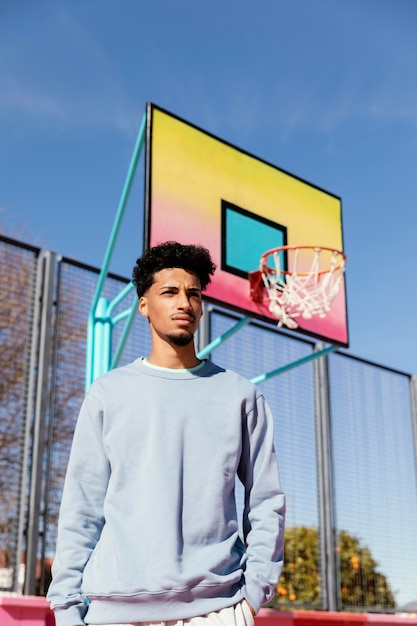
(303, 293)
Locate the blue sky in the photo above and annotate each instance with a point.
(325, 89)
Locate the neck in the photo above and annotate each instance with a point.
(173, 357)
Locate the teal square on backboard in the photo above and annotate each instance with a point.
(245, 237)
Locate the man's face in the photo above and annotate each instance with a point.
(173, 305)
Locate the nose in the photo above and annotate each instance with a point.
(184, 302)
(185, 306)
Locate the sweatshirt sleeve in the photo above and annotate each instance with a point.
(81, 516)
(264, 510)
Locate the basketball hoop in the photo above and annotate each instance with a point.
(298, 292)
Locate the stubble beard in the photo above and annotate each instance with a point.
(180, 339)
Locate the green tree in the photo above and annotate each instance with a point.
(361, 584)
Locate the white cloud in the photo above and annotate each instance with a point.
(21, 98)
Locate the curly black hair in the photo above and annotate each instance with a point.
(169, 255)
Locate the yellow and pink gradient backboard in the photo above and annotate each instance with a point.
(202, 190)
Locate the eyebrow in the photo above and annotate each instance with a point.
(177, 287)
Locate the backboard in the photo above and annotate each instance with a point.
(203, 190)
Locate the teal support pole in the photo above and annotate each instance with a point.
(121, 296)
(131, 314)
(262, 377)
(103, 332)
(216, 342)
(90, 358)
(310, 357)
(102, 338)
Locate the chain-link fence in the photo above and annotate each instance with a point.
(345, 437)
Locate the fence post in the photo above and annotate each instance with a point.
(413, 395)
(329, 562)
(28, 409)
(41, 404)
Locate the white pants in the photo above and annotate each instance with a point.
(238, 615)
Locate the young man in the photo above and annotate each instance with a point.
(148, 529)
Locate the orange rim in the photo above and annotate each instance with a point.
(270, 270)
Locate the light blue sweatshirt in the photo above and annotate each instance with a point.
(148, 528)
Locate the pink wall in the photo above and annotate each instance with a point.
(25, 611)
(34, 611)
(268, 617)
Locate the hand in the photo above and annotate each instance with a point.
(252, 610)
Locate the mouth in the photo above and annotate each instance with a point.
(184, 318)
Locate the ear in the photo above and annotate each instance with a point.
(143, 306)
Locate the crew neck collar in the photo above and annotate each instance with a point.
(185, 370)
